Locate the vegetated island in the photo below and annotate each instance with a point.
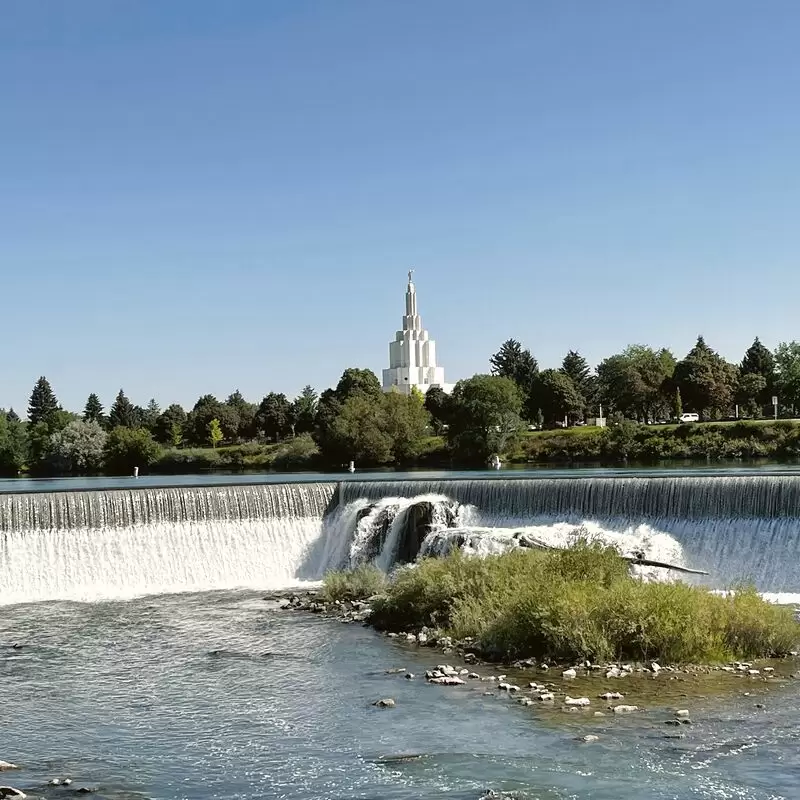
(617, 413)
(568, 614)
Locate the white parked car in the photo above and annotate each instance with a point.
(690, 418)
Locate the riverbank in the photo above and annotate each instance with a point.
(670, 697)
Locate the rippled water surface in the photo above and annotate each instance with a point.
(214, 695)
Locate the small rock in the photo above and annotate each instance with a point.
(463, 672)
(625, 709)
(769, 670)
(612, 696)
(655, 667)
(392, 635)
(589, 737)
(410, 637)
(489, 678)
(674, 736)
(525, 701)
(546, 697)
(576, 701)
(422, 638)
(683, 712)
(447, 680)
(753, 672)
(410, 676)
(387, 702)
(7, 765)
(569, 674)
(508, 687)
(759, 705)
(395, 670)
(598, 714)
(544, 668)
(613, 673)
(473, 676)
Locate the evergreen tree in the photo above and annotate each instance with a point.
(43, 403)
(707, 382)
(123, 413)
(304, 410)
(12, 415)
(511, 361)
(758, 360)
(150, 415)
(93, 410)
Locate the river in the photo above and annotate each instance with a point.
(148, 664)
(214, 695)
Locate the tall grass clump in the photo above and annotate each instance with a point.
(358, 583)
(580, 602)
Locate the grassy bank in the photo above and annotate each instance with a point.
(748, 439)
(573, 604)
(296, 454)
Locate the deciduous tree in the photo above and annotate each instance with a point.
(485, 415)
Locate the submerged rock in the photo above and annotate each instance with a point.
(589, 737)
(7, 765)
(387, 702)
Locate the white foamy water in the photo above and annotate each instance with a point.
(112, 563)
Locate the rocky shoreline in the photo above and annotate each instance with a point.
(595, 689)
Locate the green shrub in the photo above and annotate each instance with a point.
(355, 584)
(579, 603)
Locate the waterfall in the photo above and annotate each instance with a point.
(738, 528)
(124, 543)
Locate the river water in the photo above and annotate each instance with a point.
(218, 695)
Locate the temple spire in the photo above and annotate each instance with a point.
(412, 354)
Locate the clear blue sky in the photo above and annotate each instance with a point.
(203, 195)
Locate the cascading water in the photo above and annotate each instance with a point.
(122, 543)
(738, 528)
(116, 544)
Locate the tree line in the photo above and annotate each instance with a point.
(356, 420)
(649, 385)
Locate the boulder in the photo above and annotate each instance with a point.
(625, 709)
(387, 702)
(11, 792)
(589, 737)
(7, 765)
(576, 701)
(569, 674)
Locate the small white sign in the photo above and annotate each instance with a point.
(774, 400)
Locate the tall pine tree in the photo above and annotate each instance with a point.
(93, 410)
(122, 413)
(511, 361)
(43, 403)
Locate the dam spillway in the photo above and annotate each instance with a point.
(118, 543)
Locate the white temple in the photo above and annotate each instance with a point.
(412, 354)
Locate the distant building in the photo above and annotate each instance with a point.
(412, 354)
